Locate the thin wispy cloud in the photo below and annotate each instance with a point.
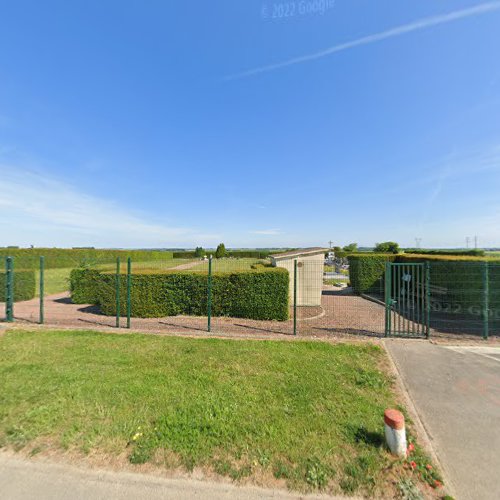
(40, 210)
(405, 29)
(266, 232)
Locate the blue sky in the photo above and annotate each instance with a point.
(174, 124)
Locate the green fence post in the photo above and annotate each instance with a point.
(129, 290)
(209, 298)
(427, 299)
(9, 289)
(387, 299)
(486, 301)
(295, 297)
(118, 292)
(42, 289)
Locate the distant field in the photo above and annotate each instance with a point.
(225, 265)
(155, 265)
(57, 280)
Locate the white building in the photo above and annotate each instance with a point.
(310, 265)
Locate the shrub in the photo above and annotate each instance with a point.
(474, 252)
(386, 247)
(84, 286)
(221, 251)
(24, 285)
(254, 294)
(367, 271)
(457, 282)
(352, 247)
(28, 258)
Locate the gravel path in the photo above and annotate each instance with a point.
(189, 265)
(340, 314)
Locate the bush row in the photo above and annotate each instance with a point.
(366, 272)
(255, 294)
(457, 282)
(471, 252)
(28, 258)
(24, 285)
(239, 254)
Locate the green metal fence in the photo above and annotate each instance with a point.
(248, 297)
(407, 300)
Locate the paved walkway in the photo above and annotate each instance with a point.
(22, 479)
(456, 391)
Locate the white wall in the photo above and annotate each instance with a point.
(309, 277)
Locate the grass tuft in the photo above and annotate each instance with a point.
(307, 413)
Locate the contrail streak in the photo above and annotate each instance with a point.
(376, 37)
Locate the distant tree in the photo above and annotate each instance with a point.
(386, 247)
(352, 247)
(199, 252)
(221, 251)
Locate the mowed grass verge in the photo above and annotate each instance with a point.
(57, 280)
(308, 414)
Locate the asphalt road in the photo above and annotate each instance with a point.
(456, 391)
(22, 479)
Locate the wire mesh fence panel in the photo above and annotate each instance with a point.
(464, 298)
(4, 288)
(250, 297)
(326, 305)
(292, 294)
(169, 295)
(73, 288)
(18, 285)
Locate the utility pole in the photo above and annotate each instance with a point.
(331, 243)
(467, 242)
(475, 242)
(417, 242)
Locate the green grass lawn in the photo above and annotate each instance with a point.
(227, 265)
(335, 281)
(57, 280)
(308, 414)
(155, 265)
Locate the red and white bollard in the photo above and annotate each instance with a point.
(395, 433)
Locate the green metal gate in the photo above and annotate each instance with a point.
(407, 300)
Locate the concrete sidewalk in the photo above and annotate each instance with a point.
(22, 479)
(456, 391)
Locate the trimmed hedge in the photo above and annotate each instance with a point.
(255, 294)
(473, 252)
(457, 282)
(24, 285)
(84, 286)
(366, 272)
(28, 258)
